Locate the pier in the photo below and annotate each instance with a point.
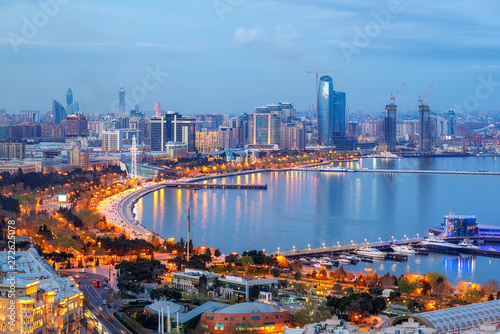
(383, 246)
(215, 186)
(401, 171)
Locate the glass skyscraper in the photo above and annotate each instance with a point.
(339, 114)
(69, 101)
(325, 110)
(122, 100)
(58, 112)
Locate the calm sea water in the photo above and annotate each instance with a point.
(313, 209)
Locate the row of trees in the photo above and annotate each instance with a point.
(134, 273)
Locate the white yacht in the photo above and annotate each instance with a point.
(467, 243)
(438, 244)
(370, 252)
(403, 249)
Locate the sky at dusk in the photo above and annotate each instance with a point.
(229, 56)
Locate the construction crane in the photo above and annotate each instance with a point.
(421, 100)
(393, 98)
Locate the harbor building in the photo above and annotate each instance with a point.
(459, 226)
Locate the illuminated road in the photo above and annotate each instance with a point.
(95, 296)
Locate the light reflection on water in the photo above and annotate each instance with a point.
(301, 208)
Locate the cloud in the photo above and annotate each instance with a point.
(250, 37)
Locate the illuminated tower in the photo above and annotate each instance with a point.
(157, 109)
(133, 169)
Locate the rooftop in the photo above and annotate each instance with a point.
(245, 308)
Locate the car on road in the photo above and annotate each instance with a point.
(110, 319)
(81, 270)
(79, 282)
(85, 276)
(99, 314)
(77, 276)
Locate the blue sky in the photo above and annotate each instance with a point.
(228, 56)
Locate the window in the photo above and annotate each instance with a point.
(210, 318)
(219, 327)
(255, 318)
(231, 318)
(269, 325)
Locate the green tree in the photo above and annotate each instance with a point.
(297, 276)
(247, 261)
(276, 272)
(473, 296)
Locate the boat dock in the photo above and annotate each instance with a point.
(401, 171)
(215, 185)
(384, 246)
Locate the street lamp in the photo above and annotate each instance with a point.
(278, 250)
(309, 247)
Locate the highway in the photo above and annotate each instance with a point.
(96, 318)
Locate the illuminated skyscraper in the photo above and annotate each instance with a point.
(325, 110)
(69, 101)
(424, 129)
(122, 100)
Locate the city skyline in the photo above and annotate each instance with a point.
(236, 50)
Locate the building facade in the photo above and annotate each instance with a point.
(325, 110)
(390, 127)
(112, 141)
(12, 150)
(424, 128)
(41, 301)
(264, 129)
(76, 126)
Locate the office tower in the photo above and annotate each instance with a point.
(424, 129)
(284, 110)
(183, 130)
(452, 122)
(264, 129)
(157, 109)
(76, 107)
(390, 127)
(76, 126)
(112, 140)
(160, 132)
(58, 112)
(121, 99)
(325, 110)
(69, 101)
(339, 110)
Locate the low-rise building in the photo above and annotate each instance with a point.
(12, 150)
(228, 287)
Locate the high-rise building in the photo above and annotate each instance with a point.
(183, 130)
(293, 136)
(76, 107)
(58, 112)
(264, 129)
(207, 141)
(76, 126)
(239, 125)
(325, 110)
(69, 101)
(424, 128)
(112, 140)
(390, 127)
(452, 122)
(339, 111)
(121, 99)
(157, 109)
(226, 138)
(161, 128)
(284, 110)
